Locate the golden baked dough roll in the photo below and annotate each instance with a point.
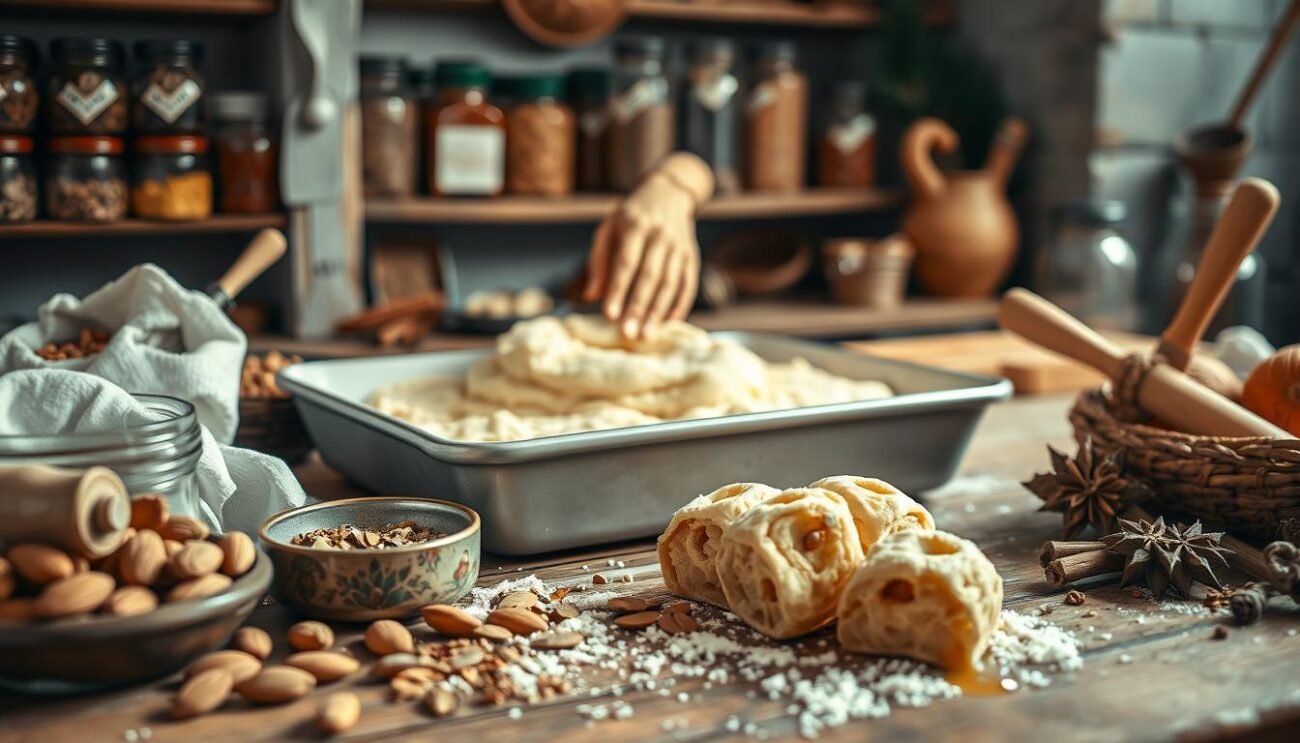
(783, 564)
(688, 547)
(931, 596)
(878, 508)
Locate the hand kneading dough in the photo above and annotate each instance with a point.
(931, 596)
(784, 562)
(688, 548)
(878, 508)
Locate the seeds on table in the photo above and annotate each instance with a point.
(677, 622)
(339, 713)
(558, 641)
(327, 666)
(518, 600)
(394, 663)
(441, 702)
(240, 665)
(562, 611)
(253, 640)
(493, 633)
(202, 693)
(450, 620)
(311, 635)
(518, 621)
(638, 620)
(387, 636)
(277, 685)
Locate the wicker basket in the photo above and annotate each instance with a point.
(273, 426)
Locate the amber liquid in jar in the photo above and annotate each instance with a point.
(777, 123)
(246, 155)
(467, 135)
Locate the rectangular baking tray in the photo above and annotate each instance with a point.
(580, 489)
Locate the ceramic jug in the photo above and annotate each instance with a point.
(961, 223)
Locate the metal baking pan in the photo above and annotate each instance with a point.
(588, 488)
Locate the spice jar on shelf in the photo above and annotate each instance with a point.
(466, 134)
(17, 180)
(847, 150)
(423, 92)
(589, 96)
(642, 120)
(169, 89)
(388, 128)
(19, 100)
(540, 136)
(246, 154)
(712, 104)
(172, 180)
(776, 121)
(87, 91)
(86, 179)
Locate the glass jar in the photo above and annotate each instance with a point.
(712, 104)
(847, 150)
(642, 120)
(246, 154)
(19, 100)
(589, 96)
(169, 88)
(776, 121)
(17, 180)
(540, 133)
(389, 123)
(172, 179)
(87, 90)
(86, 179)
(466, 134)
(1089, 269)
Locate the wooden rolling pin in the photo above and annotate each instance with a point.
(85, 512)
(267, 247)
(1166, 392)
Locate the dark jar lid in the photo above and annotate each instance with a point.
(776, 51)
(174, 51)
(639, 46)
(89, 52)
(86, 145)
(15, 145)
(171, 145)
(537, 87)
(461, 74)
(713, 48)
(589, 83)
(21, 46)
(240, 106)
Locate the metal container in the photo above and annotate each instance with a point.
(587, 488)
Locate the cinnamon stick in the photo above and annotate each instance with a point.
(1055, 550)
(1073, 568)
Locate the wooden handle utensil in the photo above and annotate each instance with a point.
(1166, 393)
(1272, 52)
(265, 249)
(85, 512)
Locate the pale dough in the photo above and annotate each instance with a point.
(878, 508)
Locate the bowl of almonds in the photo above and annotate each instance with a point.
(168, 594)
(268, 417)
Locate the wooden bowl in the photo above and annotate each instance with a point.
(566, 23)
(764, 261)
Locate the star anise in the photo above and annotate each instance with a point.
(1087, 490)
(1168, 555)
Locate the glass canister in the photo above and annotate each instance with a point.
(589, 96)
(777, 121)
(642, 120)
(17, 180)
(1089, 269)
(87, 91)
(712, 104)
(847, 150)
(19, 100)
(540, 135)
(466, 133)
(172, 179)
(389, 125)
(86, 179)
(246, 154)
(169, 87)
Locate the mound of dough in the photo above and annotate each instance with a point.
(878, 508)
(931, 596)
(784, 563)
(688, 547)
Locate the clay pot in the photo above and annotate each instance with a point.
(960, 222)
(868, 273)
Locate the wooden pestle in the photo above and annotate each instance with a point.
(267, 247)
(1166, 392)
(85, 512)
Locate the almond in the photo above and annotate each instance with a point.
(441, 702)
(277, 685)
(339, 713)
(195, 560)
(394, 663)
(557, 641)
(203, 693)
(184, 528)
(639, 620)
(108, 563)
(240, 665)
(77, 594)
(6, 579)
(325, 665)
(494, 633)
(450, 620)
(130, 601)
(39, 564)
(142, 559)
(238, 552)
(518, 621)
(387, 636)
(518, 600)
(311, 636)
(149, 512)
(198, 588)
(172, 546)
(18, 610)
(252, 640)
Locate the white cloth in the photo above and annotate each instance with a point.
(1242, 348)
(166, 340)
(237, 488)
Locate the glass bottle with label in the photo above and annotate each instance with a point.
(642, 126)
(467, 134)
(589, 96)
(87, 91)
(18, 97)
(847, 151)
(712, 104)
(777, 121)
(169, 89)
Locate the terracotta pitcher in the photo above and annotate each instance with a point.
(960, 222)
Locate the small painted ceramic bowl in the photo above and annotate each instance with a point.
(362, 585)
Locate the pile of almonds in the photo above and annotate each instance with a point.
(90, 342)
(638, 613)
(164, 558)
(257, 382)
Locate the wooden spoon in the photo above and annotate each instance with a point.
(265, 249)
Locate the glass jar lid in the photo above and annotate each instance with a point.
(19, 46)
(461, 74)
(171, 145)
(86, 145)
(15, 145)
(389, 73)
(537, 87)
(240, 106)
(88, 52)
(175, 52)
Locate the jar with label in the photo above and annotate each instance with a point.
(540, 135)
(169, 87)
(172, 181)
(847, 151)
(466, 134)
(777, 121)
(86, 179)
(19, 100)
(87, 91)
(388, 128)
(246, 154)
(712, 103)
(642, 120)
(589, 96)
(17, 180)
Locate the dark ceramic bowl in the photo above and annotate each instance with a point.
(367, 584)
(89, 653)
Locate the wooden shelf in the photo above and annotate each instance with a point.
(592, 207)
(170, 7)
(218, 223)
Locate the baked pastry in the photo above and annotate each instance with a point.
(878, 508)
(927, 595)
(688, 547)
(783, 564)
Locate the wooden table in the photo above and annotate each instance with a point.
(1157, 679)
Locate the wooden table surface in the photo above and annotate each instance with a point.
(1150, 673)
